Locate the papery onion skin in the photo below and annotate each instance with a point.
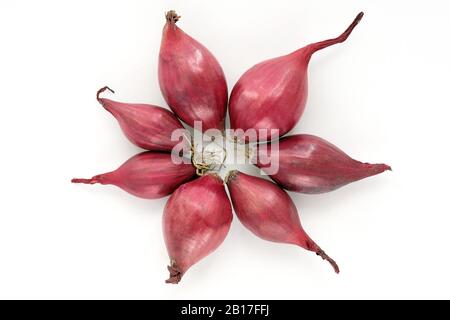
(309, 164)
(148, 175)
(268, 211)
(272, 94)
(196, 220)
(191, 79)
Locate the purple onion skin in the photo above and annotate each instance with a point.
(148, 175)
(309, 164)
(272, 94)
(147, 126)
(191, 79)
(196, 220)
(268, 211)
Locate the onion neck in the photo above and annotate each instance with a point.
(101, 90)
(325, 257)
(175, 273)
(312, 48)
(172, 17)
(310, 245)
(100, 178)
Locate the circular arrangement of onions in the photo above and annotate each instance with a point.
(270, 97)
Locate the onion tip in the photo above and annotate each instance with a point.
(324, 256)
(175, 274)
(101, 90)
(172, 17)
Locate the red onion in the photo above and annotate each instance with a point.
(196, 220)
(270, 97)
(147, 126)
(309, 164)
(268, 212)
(273, 93)
(147, 175)
(191, 79)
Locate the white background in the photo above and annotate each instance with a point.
(382, 96)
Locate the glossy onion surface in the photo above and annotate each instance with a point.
(309, 164)
(196, 220)
(191, 79)
(148, 175)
